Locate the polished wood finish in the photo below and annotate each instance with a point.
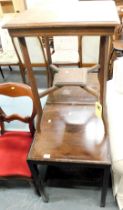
(16, 90)
(66, 138)
(56, 140)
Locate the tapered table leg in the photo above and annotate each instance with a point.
(105, 185)
(37, 182)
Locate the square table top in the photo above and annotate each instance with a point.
(81, 13)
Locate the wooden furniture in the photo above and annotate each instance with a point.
(117, 51)
(15, 144)
(10, 6)
(71, 133)
(37, 55)
(67, 51)
(6, 6)
(117, 41)
(45, 22)
(11, 59)
(9, 55)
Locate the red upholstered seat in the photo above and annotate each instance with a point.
(14, 147)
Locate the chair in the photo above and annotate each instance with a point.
(12, 54)
(15, 144)
(66, 50)
(117, 43)
(117, 48)
(8, 55)
(36, 51)
(90, 50)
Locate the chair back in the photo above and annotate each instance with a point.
(65, 43)
(11, 46)
(36, 51)
(90, 49)
(13, 90)
(6, 41)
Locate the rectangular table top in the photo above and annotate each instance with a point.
(81, 13)
(70, 134)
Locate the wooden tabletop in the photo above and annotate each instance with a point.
(70, 133)
(70, 129)
(81, 13)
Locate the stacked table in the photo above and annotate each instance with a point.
(59, 139)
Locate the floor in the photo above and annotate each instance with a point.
(71, 193)
(14, 76)
(23, 197)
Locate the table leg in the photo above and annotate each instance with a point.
(105, 185)
(103, 61)
(32, 81)
(102, 75)
(37, 182)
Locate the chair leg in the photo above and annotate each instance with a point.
(10, 68)
(1, 72)
(22, 71)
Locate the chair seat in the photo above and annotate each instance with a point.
(14, 147)
(8, 58)
(65, 57)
